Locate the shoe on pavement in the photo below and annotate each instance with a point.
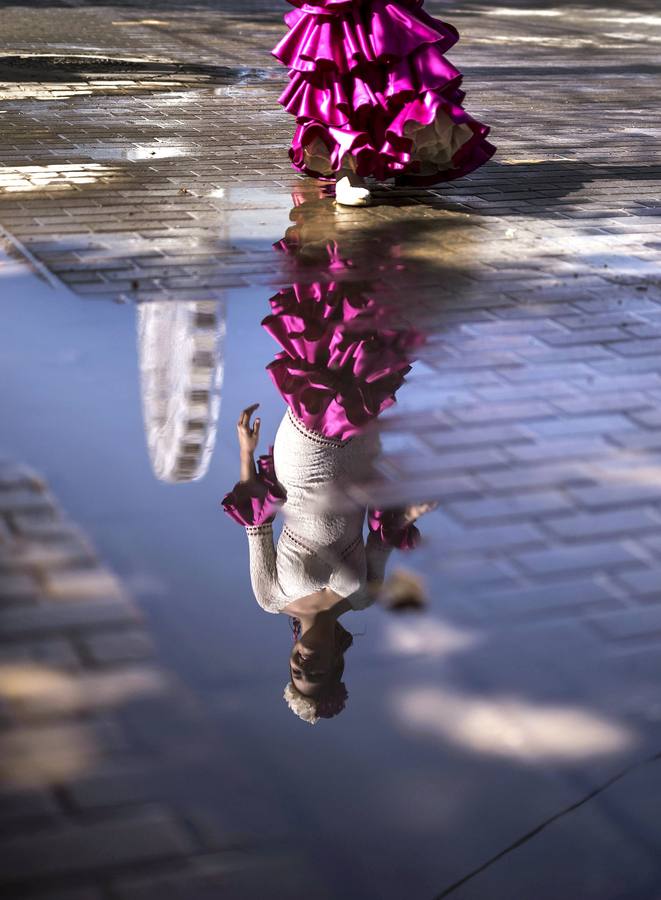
(351, 194)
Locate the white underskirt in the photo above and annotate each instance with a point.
(434, 146)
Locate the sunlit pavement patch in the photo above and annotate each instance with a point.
(426, 636)
(21, 179)
(138, 153)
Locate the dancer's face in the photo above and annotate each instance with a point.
(311, 664)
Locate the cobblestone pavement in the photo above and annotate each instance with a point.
(534, 414)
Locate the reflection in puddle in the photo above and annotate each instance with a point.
(73, 748)
(46, 746)
(509, 726)
(343, 358)
(428, 637)
(29, 690)
(181, 371)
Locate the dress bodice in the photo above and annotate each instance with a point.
(321, 544)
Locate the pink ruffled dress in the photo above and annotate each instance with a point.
(372, 91)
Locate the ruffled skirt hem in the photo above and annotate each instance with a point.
(371, 90)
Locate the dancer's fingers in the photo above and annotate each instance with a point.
(244, 418)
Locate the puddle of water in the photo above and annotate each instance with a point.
(405, 753)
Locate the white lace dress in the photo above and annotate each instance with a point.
(320, 545)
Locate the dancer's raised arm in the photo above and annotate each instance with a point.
(263, 569)
(253, 503)
(248, 436)
(390, 529)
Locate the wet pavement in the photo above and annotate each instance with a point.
(503, 740)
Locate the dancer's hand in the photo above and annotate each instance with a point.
(412, 513)
(247, 432)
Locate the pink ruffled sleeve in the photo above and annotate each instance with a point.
(386, 525)
(256, 502)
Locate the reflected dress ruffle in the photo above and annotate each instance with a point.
(341, 364)
(371, 90)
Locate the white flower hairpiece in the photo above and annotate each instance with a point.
(304, 707)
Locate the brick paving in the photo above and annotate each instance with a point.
(533, 415)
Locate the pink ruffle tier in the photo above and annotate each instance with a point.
(339, 379)
(370, 87)
(341, 362)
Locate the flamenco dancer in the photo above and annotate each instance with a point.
(373, 95)
(340, 366)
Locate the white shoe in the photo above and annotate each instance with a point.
(348, 194)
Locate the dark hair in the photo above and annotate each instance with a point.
(332, 700)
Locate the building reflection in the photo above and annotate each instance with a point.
(181, 374)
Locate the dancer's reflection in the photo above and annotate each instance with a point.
(340, 367)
